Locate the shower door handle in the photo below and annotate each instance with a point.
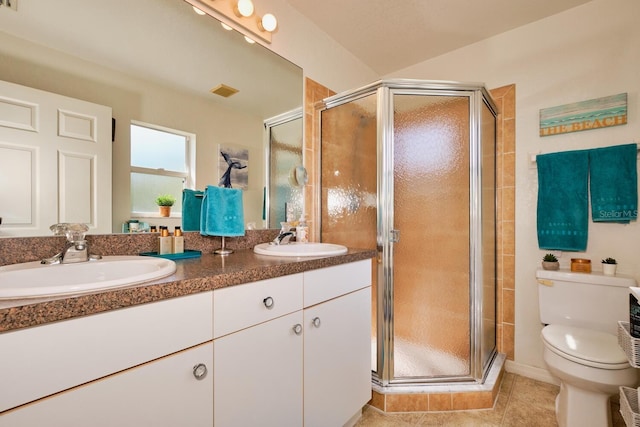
(394, 236)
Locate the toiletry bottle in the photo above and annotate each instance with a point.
(302, 231)
(177, 241)
(164, 241)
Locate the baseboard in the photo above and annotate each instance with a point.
(532, 372)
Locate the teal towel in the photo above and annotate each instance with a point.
(563, 217)
(614, 183)
(191, 207)
(222, 212)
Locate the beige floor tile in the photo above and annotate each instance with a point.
(527, 414)
(521, 402)
(482, 418)
(535, 393)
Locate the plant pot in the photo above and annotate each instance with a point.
(165, 210)
(609, 269)
(549, 265)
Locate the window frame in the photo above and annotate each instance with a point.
(189, 177)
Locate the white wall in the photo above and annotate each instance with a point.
(587, 52)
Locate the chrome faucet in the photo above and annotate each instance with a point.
(286, 233)
(75, 249)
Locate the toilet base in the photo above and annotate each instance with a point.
(577, 407)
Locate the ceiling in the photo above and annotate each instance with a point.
(389, 35)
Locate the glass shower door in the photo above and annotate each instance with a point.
(431, 259)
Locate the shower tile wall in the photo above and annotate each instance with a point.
(505, 99)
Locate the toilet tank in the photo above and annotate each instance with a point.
(588, 300)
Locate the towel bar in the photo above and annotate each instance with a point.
(532, 157)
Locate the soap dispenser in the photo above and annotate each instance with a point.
(302, 231)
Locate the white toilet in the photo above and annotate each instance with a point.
(581, 311)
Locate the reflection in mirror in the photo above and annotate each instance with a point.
(285, 201)
(113, 54)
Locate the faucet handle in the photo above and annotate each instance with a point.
(74, 231)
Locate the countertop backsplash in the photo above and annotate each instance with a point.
(15, 250)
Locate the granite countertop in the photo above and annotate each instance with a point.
(194, 275)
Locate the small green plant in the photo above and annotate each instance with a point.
(165, 200)
(550, 258)
(609, 261)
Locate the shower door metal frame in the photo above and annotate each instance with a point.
(384, 90)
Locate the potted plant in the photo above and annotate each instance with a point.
(550, 262)
(165, 201)
(609, 266)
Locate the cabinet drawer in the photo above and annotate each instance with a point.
(46, 359)
(162, 393)
(331, 282)
(242, 306)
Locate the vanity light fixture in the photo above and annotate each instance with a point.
(198, 11)
(244, 8)
(226, 27)
(239, 15)
(268, 23)
(249, 40)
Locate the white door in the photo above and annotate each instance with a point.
(162, 393)
(337, 359)
(258, 375)
(55, 162)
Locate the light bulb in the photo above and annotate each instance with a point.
(198, 11)
(250, 41)
(245, 7)
(226, 27)
(269, 22)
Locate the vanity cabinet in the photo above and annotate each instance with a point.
(289, 351)
(129, 367)
(298, 352)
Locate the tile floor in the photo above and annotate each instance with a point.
(522, 402)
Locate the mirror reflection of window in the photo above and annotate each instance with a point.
(162, 162)
(284, 135)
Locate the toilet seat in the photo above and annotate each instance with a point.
(586, 347)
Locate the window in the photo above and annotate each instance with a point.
(162, 162)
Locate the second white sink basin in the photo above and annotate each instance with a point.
(33, 279)
(300, 249)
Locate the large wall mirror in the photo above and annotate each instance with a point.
(154, 62)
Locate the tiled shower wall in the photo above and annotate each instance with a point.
(505, 183)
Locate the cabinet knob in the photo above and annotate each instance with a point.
(297, 329)
(200, 371)
(268, 302)
(316, 322)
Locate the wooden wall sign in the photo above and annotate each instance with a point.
(584, 115)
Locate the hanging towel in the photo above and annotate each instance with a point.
(563, 208)
(191, 207)
(222, 212)
(614, 183)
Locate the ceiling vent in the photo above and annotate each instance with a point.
(224, 90)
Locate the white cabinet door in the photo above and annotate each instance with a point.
(161, 393)
(258, 375)
(337, 355)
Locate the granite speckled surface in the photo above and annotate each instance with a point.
(195, 275)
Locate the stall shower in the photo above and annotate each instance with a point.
(408, 168)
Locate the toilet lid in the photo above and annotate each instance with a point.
(589, 347)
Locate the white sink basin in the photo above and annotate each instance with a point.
(300, 249)
(33, 279)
